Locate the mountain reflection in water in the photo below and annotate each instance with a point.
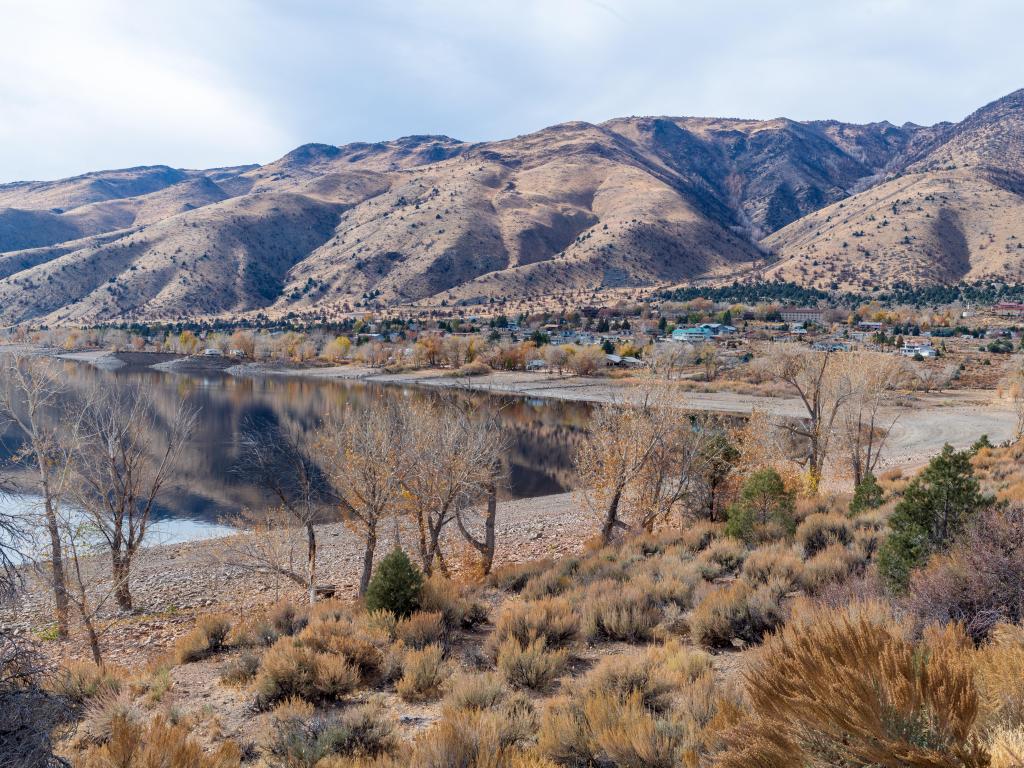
(542, 434)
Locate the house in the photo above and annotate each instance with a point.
(1009, 309)
(535, 365)
(909, 349)
(830, 346)
(801, 314)
(717, 329)
(211, 352)
(692, 335)
(864, 325)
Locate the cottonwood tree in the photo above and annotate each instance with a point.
(279, 459)
(363, 458)
(823, 390)
(15, 541)
(272, 544)
(477, 523)
(620, 447)
(31, 393)
(448, 463)
(864, 428)
(124, 458)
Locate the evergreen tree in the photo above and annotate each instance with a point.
(867, 495)
(395, 586)
(933, 511)
(764, 502)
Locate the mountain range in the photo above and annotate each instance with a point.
(577, 207)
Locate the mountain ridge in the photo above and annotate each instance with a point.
(574, 207)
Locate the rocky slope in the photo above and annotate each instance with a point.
(577, 206)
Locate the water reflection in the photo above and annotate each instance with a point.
(542, 434)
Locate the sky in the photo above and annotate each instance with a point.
(95, 84)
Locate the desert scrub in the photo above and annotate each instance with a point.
(103, 713)
(552, 619)
(475, 739)
(159, 743)
(421, 629)
(348, 639)
(440, 595)
(774, 561)
(722, 557)
(289, 669)
(845, 689)
(531, 665)
(209, 636)
(423, 673)
(302, 738)
(240, 670)
(614, 611)
(737, 611)
(822, 530)
(81, 681)
(513, 577)
(699, 536)
(830, 566)
(287, 619)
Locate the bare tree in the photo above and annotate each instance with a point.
(15, 541)
(123, 461)
(31, 717)
(864, 429)
(362, 453)
(620, 448)
(31, 392)
(822, 389)
(278, 459)
(490, 445)
(271, 544)
(448, 463)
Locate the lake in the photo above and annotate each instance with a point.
(541, 434)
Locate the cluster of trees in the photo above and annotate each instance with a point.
(99, 461)
(427, 468)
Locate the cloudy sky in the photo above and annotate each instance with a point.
(88, 84)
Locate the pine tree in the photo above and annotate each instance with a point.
(867, 495)
(764, 501)
(395, 586)
(932, 513)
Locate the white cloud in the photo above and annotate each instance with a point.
(99, 83)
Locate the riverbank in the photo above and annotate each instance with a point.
(172, 584)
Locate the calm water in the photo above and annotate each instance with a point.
(542, 436)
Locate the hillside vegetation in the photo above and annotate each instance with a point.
(574, 207)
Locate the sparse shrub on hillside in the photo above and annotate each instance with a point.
(241, 669)
(552, 619)
(102, 714)
(287, 619)
(423, 674)
(80, 681)
(481, 691)
(998, 671)
(133, 745)
(395, 585)
(513, 577)
(207, 638)
(289, 669)
(303, 738)
(553, 581)
(821, 530)
(531, 665)
(774, 561)
(843, 689)
(471, 738)
(421, 629)
(722, 557)
(345, 638)
(736, 611)
(619, 613)
(979, 582)
(442, 595)
(830, 566)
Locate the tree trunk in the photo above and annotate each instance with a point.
(311, 561)
(121, 570)
(371, 546)
(611, 518)
(60, 586)
(94, 641)
(487, 555)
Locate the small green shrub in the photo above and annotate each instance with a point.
(395, 585)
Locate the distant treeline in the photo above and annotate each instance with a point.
(901, 293)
